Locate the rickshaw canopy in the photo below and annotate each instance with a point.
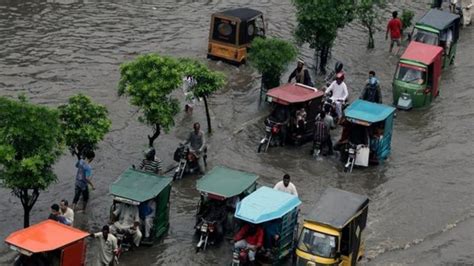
(45, 236)
(242, 14)
(368, 111)
(290, 93)
(225, 182)
(138, 186)
(422, 53)
(438, 19)
(337, 207)
(266, 204)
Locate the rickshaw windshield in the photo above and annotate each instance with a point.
(411, 74)
(317, 243)
(224, 30)
(425, 37)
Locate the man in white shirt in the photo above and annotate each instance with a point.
(286, 186)
(128, 220)
(66, 212)
(339, 92)
(108, 247)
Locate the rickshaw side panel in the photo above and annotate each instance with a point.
(161, 222)
(288, 235)
(74, 254)
(384, 147)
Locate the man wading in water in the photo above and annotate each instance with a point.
(301, 74)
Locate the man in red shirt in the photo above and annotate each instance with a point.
(394, 26)
(249, 236)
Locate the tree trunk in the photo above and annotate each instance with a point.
(27, 201)
(156, 133)
(323, 59)
(371, 43)
(209, 128)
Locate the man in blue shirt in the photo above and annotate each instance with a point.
(83, 179)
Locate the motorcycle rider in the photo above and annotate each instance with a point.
(301, 74)
(372, 92)
(250, 237)
(339, 93)
(197, 144)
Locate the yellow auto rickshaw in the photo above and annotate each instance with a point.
(231, 33)
(333, 232)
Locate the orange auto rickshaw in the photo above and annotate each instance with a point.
(49, 243)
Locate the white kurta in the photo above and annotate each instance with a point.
(107, 248)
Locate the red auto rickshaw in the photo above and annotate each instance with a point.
(49, 243)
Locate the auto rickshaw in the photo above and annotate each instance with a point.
(231, 33)
(49, 243)
(295, 108)
(150, 194)
(366, 135)
(333, 233)
(416, 80)
(220, 190)
(277, 213)
(439, 28)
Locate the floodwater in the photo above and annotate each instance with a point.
(422, 199)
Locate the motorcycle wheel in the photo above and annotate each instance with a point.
(260, 147)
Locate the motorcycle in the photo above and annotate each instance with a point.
(208, 230)
(351, 157)
(240, 257)
(272, 135)
(187, 161)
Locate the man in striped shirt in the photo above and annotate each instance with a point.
(150, 164)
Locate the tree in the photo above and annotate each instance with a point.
(207, 82)
(149, 81)
(271, 57)
(369, 17)
(84, 123)
(30, 143)
(406, 18)
(318, 22)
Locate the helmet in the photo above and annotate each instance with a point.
(338, 67)
(340, 76)
(150, 154)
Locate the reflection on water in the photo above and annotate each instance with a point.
(422, 199)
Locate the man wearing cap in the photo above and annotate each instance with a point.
(339, 92)
(301, 74)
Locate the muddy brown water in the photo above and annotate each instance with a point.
(422, 204)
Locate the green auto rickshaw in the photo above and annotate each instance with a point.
(220, 191)
(416, 80)
(439, 28)
(148, 195)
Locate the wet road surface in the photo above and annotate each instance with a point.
(422, 204)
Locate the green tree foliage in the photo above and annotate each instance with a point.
(406, 18)
(271, 56)
(207, 82)
(149, 81)
(84, 123)
(369, 17)
(318, 22)
(30, 143)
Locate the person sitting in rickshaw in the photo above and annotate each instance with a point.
(301, 75)
(127, 220)
(301, 118)
(250, 237)
(376, 135)
(147, 212)
(272, 237)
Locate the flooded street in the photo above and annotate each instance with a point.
(422, 198)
